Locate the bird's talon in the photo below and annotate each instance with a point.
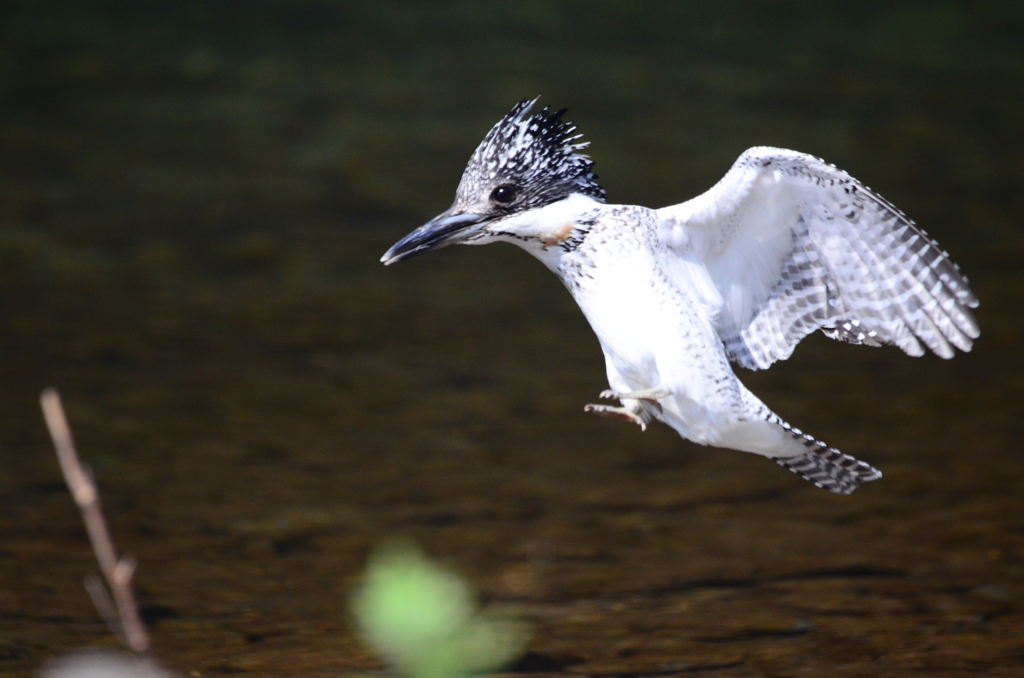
(620, 413)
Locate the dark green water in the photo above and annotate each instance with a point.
(193, 200)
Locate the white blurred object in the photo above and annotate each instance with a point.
(103, 664)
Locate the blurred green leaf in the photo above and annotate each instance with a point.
(423, 619)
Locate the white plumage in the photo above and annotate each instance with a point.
(783, 245)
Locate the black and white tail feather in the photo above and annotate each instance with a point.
(825, 466)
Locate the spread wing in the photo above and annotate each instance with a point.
(792, 244)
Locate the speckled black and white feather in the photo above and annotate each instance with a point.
(537, 154)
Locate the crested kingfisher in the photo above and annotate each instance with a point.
(785, 244)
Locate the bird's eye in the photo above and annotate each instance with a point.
(504, 194)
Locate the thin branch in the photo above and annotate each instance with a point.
(101, 600)
(117, 571)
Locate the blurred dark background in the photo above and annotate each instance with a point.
(193, 200)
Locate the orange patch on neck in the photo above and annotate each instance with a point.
(558, 237)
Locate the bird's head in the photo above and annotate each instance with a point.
(524, 163)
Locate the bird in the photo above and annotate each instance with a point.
(783, 245)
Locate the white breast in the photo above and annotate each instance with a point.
(656, 328)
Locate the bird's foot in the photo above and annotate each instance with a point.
(650, 395)
(621, 413)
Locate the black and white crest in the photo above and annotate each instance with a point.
(534, 159)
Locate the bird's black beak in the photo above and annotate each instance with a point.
(445, 229)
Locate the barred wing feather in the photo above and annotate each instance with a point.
(791, 244)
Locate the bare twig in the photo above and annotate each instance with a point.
(123, 616)
(103, 603)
